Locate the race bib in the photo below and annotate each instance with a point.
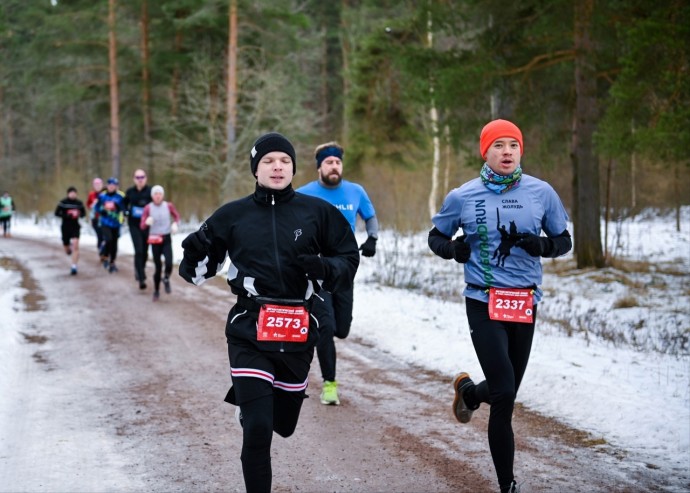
(511, 305)
(282, 323)
(136, 211)
(155, 239)
(73, 213)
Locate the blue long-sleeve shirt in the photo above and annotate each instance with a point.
(110, 207)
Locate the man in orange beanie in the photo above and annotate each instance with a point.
(495, 129)
(502, 211)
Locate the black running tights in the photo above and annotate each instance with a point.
(503, 351)
(110, 237)
(277, 412)
(141, 248)
(165, 250)
(334, 314)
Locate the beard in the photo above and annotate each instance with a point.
(331, 180)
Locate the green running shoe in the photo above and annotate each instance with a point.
(329, 394)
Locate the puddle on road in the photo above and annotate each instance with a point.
(33, 298)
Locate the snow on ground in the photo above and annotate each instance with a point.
(610, 354)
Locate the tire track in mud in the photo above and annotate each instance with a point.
(32, 300)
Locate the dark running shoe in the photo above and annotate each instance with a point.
(166, 284)
(156, 295)
(112, 268)
(514, 488)
(460, 410)
(73, 271)
(142, 285)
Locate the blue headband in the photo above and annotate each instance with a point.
(326, 152)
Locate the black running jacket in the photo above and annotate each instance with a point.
(264, 233)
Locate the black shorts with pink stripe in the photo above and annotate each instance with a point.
(258, 373)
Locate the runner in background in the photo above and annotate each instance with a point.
(336, 308)
(7, 208)
(136, 198)
(161, 219)
(70, 209)
(91, 199)
(110, 207)
(502, 211)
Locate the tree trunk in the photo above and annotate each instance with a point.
(175, 82)
(446, 173)
(677, 195)
(230, 145)
(433, 117)
(2, 124)
(146, 91)
(87, 166)
(323, 90)
(345, 53)
(114, 97)
(332, 68)
(231, 99)
(9, 132)
(436, 163)
(633, 172)
(607, 210)
(587, 231)
(58, 149)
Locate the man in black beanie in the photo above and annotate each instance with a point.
(267, 143)
(284, 247)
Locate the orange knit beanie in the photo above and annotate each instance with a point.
(495, 130)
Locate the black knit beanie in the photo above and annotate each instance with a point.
(268, 143)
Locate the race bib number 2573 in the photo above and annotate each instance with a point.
(511, 305)
(283, 323)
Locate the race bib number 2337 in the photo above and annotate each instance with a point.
(511, 305)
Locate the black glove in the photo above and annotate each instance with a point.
(369, 247)
(196, 246)
(543, 246)
(461, 250)
(313, 266)
(533, 244)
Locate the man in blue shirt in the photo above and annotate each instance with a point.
(110, 208)
(352, 200)
(502, 213)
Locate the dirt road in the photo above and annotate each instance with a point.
(112, 392)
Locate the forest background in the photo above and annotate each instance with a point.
(181, 88)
